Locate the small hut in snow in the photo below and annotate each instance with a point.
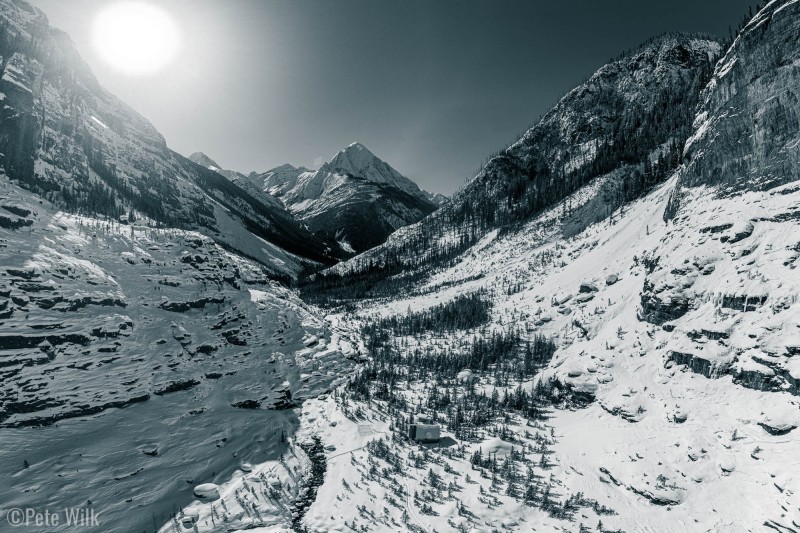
(425, 433)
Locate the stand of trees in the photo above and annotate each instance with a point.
(408, 384)
(393, 271)
(463, 312)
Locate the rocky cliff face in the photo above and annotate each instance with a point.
(624, 117)
(64, 137)
(747, 134)
(723, 280)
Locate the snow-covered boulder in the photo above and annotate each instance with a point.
(465, 376)
(207, 491)
(780, 421)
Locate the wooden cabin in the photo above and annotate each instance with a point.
(425, 433)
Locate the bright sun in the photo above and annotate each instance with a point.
(135, 37)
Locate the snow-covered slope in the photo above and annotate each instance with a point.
(137, 363)
(682, 423)
(65, 138)
(354, 198)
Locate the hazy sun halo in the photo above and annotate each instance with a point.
(135, 37)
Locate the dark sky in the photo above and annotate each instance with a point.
(430, 86)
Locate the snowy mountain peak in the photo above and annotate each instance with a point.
(355, 146)
(356, 198)
(356, 160)
(202, 159)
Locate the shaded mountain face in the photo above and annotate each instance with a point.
(631, 117)
(355, 198)
(64, 137)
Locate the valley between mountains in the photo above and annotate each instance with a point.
(603, 323)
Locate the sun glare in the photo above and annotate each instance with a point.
(136, 37)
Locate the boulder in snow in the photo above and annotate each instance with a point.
(583, 298)
(588, 286)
